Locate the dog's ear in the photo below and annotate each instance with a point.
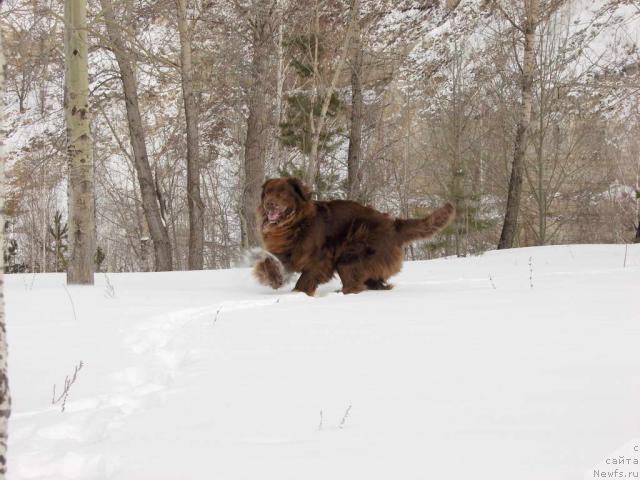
(264, 185)
(300, 189)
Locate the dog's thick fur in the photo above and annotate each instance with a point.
(318, 239)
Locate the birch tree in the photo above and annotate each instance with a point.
(5, 397)
(81, 195)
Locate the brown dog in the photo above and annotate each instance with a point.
(320, 238)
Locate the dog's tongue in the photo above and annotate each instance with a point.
(273, 215)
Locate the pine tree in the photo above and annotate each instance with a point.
(59, 233)
(305, 106)
(99, 258)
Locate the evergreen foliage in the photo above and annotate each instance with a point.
(305, 103)
(59, 232)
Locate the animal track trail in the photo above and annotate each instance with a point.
(167, 344)
(161, 349)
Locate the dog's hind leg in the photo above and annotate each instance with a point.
(352, 279)
(380, 267)
(378, 284)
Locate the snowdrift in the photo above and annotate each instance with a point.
(516, 364)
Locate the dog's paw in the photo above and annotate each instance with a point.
(308, 292)
(269, 272)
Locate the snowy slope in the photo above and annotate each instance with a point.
(205, 375)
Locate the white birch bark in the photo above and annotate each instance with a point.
(5, 397)
(81, 196)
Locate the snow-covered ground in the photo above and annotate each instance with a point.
(463, 371)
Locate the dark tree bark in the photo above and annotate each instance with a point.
(149, 194)
(194, 199)
(354, 157)
(510, 225)
(260, 116)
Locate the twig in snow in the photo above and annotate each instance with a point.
(67, 387)
(73, 305)
(29, 287)
(320, 424)
(344, 418)
(215, 317)
(626, 247)
(109, 291)
(492, 283)
(531, 272)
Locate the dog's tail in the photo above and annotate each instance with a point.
(423, 228)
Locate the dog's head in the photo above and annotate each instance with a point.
(283, 199)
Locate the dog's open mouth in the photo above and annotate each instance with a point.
(275, 215)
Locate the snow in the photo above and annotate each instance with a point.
(521, 363)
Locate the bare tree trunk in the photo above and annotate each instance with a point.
(194, 200)
(81, 195)
(5, 397)
(45, 204)
(280, 76)
(150, 206)
(458, 167)
(636, 238)
(258, 122)
(357, 111)
(509, 227)
(313, 166)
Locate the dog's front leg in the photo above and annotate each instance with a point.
(319, 270)
(307, 283)
(269, 272)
